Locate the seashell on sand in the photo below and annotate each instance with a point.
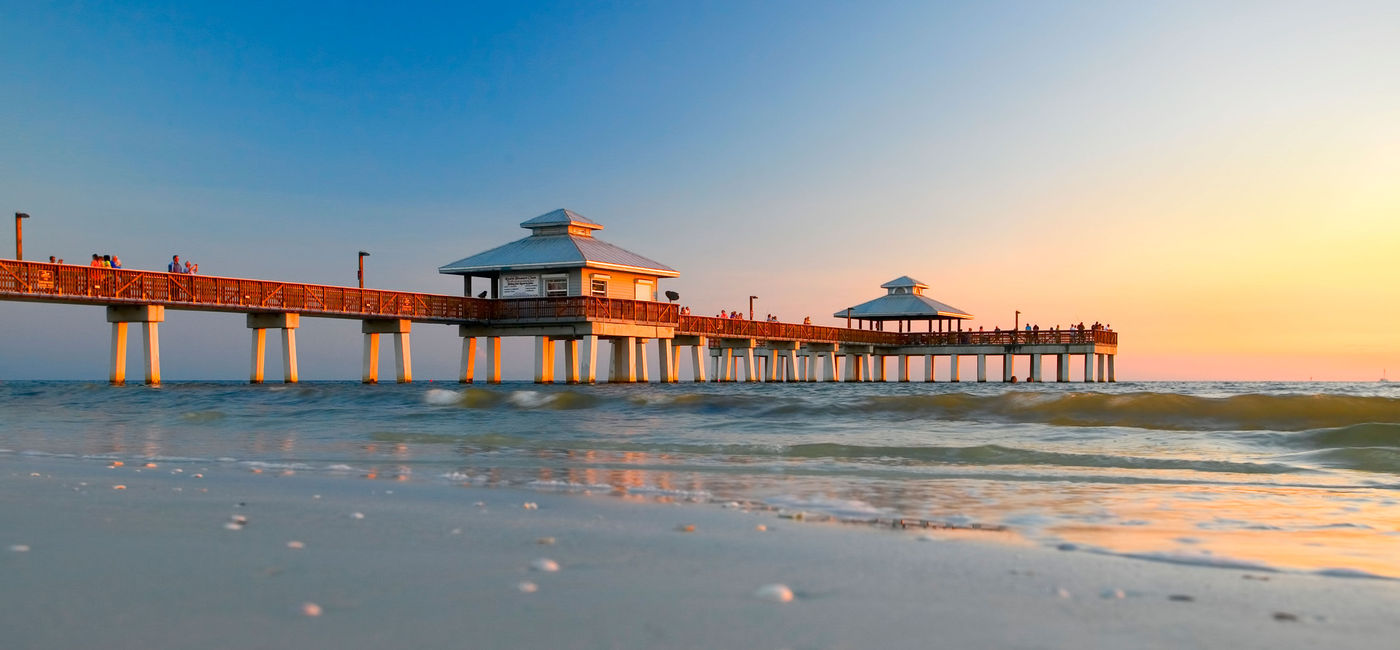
(545, 564)
(778, 593)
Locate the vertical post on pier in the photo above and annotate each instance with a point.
(725, 373)
(369, 361)
(879, 361)
(150, 345)
(666, 361)
(259, 352)
(1036, 360)
(544, 366)
(259, 324)
(403, 351)
(403, 356)
(289, 350)
(1101, 374)
(981, 367)
(790, 364)
(750, 365)
(902, 368)
(831, 365)
(930, 367)
(809, 366)
(1088, 367)
(639, 355)
(493, 359)
(1061, 367)
(852, 367)
(467, 368)
(624, 367)
(150, 317)
(588, 362)
(571, 361)
(1111, 377)
(1008, 366)
(699, 347)
(118, 374)
(953, 368)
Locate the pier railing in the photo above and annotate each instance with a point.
(770, 331)
(1013, 337)
(102, 286)
(575, 308)
(45, 282)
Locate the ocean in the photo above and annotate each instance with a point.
(1292, 477)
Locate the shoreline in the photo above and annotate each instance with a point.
(162, 562)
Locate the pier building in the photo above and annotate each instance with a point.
(566, 289)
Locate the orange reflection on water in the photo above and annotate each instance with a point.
(1283, 527)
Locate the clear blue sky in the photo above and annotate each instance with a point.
(804, 151)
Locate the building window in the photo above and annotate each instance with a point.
(645, 290)
(600, 287)
(556, 286)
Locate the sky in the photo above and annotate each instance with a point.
(1215, 180)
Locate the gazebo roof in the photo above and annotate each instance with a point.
(905, 301)
(903, 281)
(561, 217)
(556, 242)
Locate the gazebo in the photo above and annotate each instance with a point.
(560, 258)
(904, 303)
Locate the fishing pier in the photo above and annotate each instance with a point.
(569, 292)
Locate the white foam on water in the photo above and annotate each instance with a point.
(530, 399)
(839, 508)
(442, 397)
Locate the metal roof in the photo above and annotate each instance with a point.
(904, 306)
(561, 217)
(558, 250)
(903, 281)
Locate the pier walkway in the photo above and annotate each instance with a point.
(721, 349)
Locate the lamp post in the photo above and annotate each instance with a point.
(751, 299)
(361, 273)
(1017, 326)
(19, 234)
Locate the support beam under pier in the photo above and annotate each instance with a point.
(150, 317)
(403, 352)
(286, 322)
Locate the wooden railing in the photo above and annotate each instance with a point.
(41, 281)
(765, 330)
(1013, 337)
(577, 308)
(100, 286)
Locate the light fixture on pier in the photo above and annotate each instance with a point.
(19, 234)
(751, 299)
(361, 273)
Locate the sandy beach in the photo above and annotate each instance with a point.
(133, 556)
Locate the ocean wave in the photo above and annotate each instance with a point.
(999, 455)
(1149, 410)
(518, 399)
(1143, 410)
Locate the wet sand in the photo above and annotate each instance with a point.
(236, 559)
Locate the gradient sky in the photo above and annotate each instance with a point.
(1216, 180)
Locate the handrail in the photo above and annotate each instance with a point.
(104, 286)
(43, 281)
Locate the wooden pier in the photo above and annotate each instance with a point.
(720, 349)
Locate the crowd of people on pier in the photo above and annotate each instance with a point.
(99, 261)
(109, 261)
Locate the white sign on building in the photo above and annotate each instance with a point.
(520, 285)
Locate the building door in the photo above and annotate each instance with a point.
(646, 290)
